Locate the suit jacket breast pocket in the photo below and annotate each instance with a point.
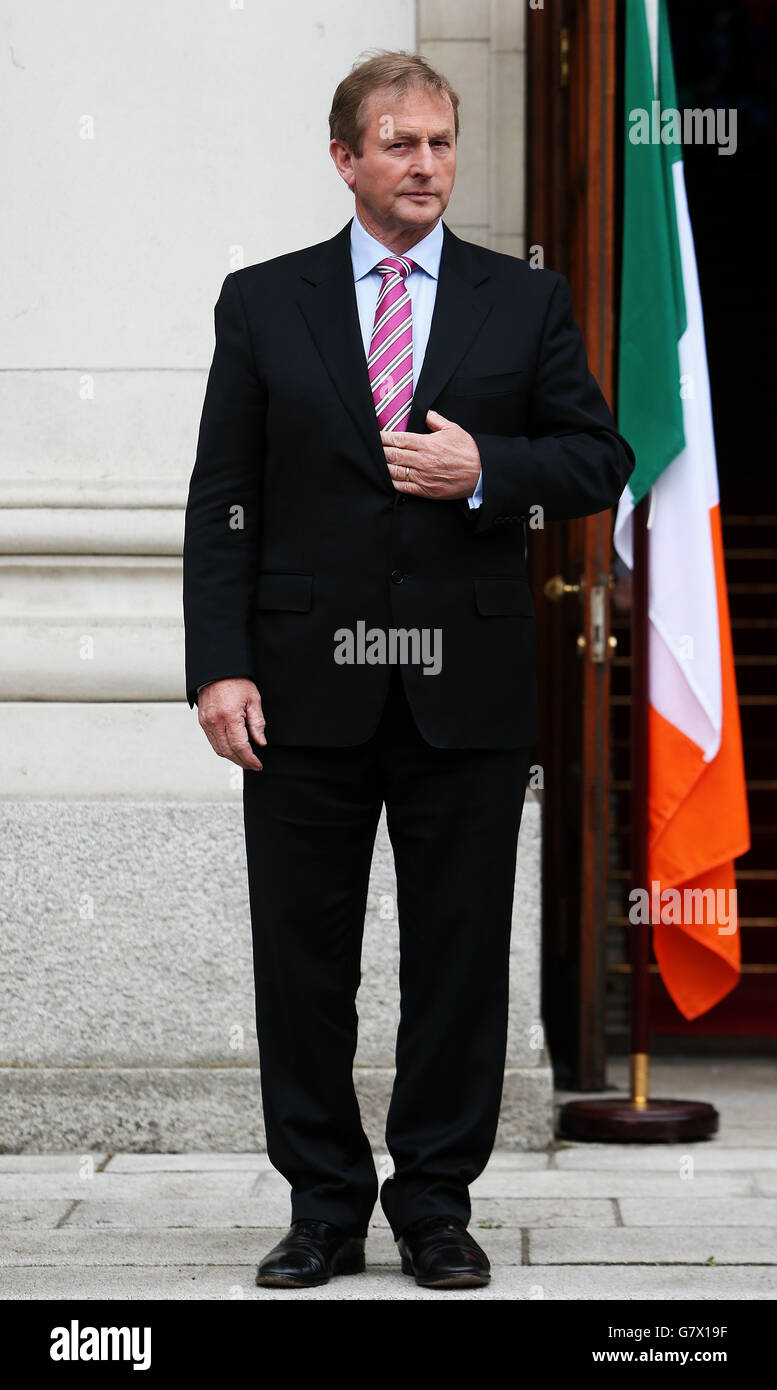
(492, 384)
(492, 403)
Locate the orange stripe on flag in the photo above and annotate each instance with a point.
(698, 825)
(699, 965)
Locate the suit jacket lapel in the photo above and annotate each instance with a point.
(327, 299)
(461, 306)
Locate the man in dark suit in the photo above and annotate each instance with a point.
(383, 413)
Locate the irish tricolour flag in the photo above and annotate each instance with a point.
(698, 821)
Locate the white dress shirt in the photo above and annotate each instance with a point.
(421, 285)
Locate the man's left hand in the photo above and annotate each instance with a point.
(443, 464)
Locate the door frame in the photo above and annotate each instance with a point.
(573, 122)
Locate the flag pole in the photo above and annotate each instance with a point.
(646, 75)
(639, 1119)
(639, 933)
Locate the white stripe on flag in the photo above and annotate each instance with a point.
(685, 674)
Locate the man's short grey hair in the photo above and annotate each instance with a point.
(398, 72)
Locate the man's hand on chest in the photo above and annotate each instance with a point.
(442, 465)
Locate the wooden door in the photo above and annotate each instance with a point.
(572, 118)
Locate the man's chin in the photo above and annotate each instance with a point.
(418, 210)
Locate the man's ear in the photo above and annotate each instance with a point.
(342, 156)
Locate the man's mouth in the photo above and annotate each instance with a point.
(419, 195)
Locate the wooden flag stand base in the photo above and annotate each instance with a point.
(639, 1119)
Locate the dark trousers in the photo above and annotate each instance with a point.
(310, 821)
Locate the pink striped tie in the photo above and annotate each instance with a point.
(390, 359)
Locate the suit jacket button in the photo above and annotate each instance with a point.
(397, 577)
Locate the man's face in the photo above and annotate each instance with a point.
(404, 175)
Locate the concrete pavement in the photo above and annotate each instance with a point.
(578, 1221)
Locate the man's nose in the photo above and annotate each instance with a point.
(424, 159)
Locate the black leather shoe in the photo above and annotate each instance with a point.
(441, 1253)
(309, 1254)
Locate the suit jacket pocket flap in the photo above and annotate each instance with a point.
(496, 385)
(289, 591)
(500, 597)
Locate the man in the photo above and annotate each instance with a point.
(382, 412)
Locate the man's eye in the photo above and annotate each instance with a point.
(401, 144)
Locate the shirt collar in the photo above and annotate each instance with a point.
(366, 251)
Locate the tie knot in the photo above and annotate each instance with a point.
(395, 265)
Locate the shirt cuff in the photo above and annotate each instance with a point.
(477, 497)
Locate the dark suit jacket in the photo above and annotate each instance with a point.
(294, 529)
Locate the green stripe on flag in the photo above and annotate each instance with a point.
(652, 318)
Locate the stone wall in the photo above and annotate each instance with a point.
(159, 148)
